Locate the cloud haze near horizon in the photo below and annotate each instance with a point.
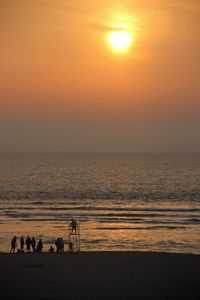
(62, 89)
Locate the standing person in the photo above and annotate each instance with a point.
(62, 245)
(28, 244)
(73, 225)
(58, 245)
(13, 244)
(22, 243)
(33, 243)
(39, 246)
(71, 247)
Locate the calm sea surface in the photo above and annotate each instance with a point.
(123, 202)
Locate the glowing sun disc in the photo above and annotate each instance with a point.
(120, 40)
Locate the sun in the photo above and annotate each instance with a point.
(120, 40)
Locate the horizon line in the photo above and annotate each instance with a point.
(96, 153)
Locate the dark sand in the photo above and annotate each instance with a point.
(102, 275)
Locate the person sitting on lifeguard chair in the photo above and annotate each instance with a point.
(73, 226)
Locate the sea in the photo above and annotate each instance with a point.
(122, 202)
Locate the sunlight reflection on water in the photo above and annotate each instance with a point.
(146, 203)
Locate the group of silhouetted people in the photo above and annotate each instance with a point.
(60, 245)
(28, 245)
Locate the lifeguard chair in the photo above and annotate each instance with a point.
(74, 236)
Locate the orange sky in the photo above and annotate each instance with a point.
(56, 64)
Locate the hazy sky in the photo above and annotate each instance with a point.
(64, 88)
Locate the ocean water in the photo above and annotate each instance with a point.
(123, 202)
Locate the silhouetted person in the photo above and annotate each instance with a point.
(58, 245)
(71, 247)
(62, 245)
(28, 244)
(33, 243)
(73, 226)
(51, 249)
(39, 246)
(22, 243)
(13, 244)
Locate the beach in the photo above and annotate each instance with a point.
(100, 275)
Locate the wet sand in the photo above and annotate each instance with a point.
(100, 275)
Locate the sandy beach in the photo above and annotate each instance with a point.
(100, 275)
